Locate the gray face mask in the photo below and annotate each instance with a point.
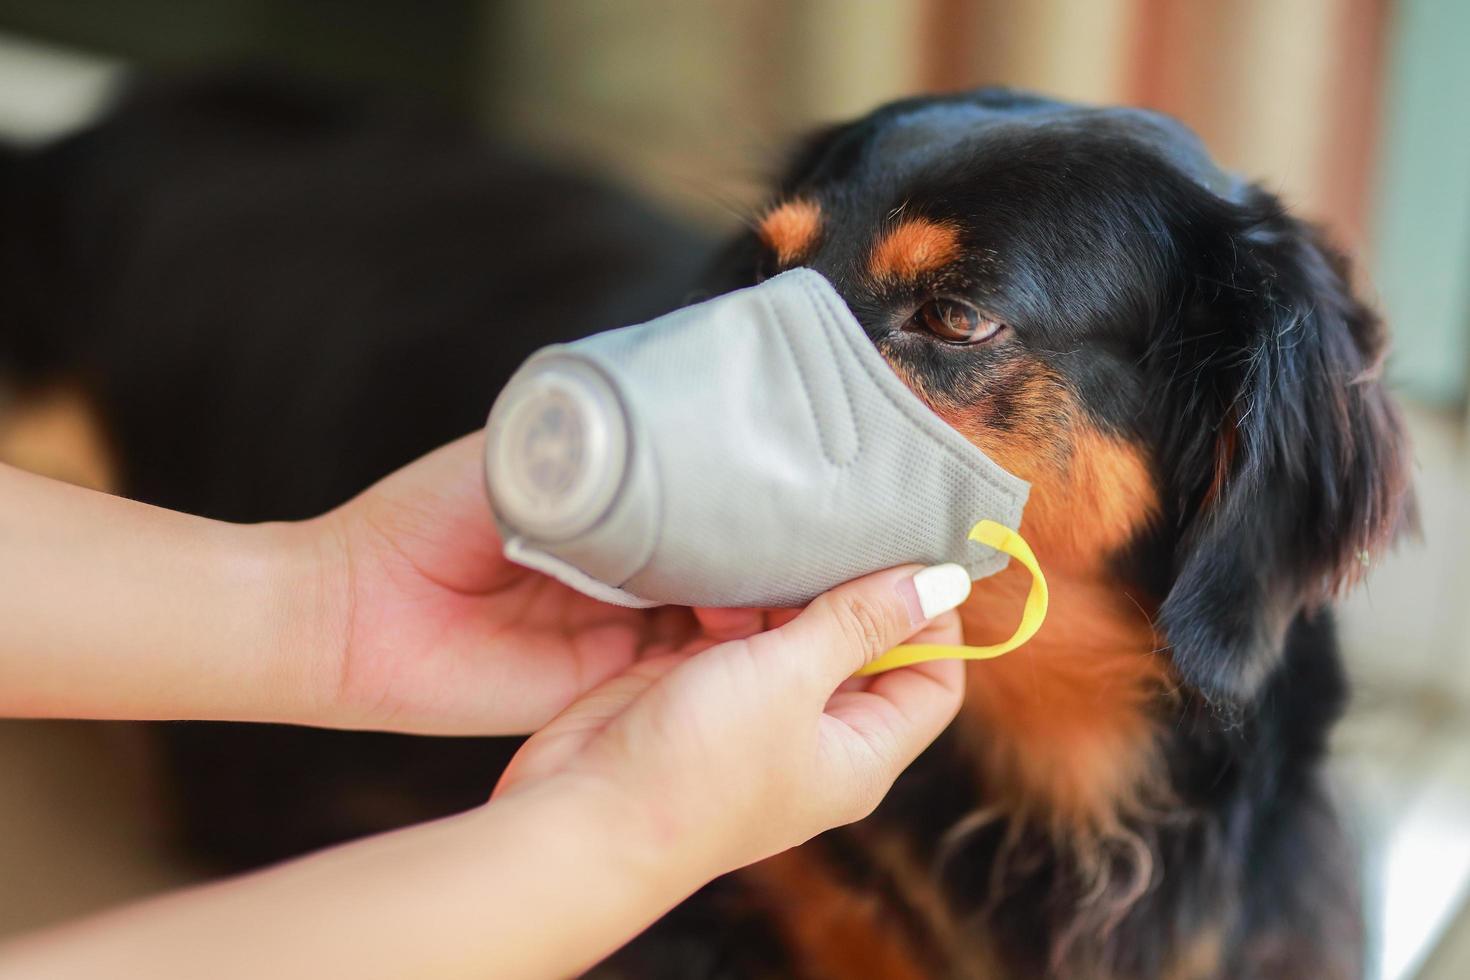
(754, 450)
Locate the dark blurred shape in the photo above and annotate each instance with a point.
(432, 49)
(275, 295)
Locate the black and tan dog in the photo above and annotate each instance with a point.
(1177, 365)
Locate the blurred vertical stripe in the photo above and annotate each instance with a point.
(1357, 122)
(1422, 210)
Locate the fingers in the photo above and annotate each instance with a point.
(846, 628)
(731, 624)
(777, 618)
(902, 711)
(569, 732)
(737, 624)
(882, 730)
(435, 512)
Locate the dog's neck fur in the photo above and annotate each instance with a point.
(1067, 726)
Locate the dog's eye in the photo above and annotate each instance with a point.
(954, 322)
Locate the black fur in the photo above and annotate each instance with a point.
(1274, 347)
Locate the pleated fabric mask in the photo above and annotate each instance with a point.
(752, 450)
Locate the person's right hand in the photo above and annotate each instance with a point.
(761, 742)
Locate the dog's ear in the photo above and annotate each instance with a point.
(1289, 459)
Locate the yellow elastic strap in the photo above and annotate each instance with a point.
(1001, 538)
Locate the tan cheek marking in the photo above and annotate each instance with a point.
(1091, 492)
(913, 247)
(57, 433)
(1104, 499)
(791, 230)
(1069, 722)
(1066, 727)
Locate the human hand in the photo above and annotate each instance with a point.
(397, 611)
(438, 633)
(759, 743)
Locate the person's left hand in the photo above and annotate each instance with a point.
(438, 633)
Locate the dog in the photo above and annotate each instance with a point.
(1178, 366)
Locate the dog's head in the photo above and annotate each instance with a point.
(1176, 364)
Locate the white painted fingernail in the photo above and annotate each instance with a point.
(941, 588)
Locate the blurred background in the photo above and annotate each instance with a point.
(1354, 110)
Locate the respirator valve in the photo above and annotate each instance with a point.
(558, 444)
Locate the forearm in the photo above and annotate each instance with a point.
(539, 884)
(114, 609)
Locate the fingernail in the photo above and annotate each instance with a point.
(936, 589)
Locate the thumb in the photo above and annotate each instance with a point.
(845, 629)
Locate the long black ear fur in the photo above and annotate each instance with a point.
(1291, 460)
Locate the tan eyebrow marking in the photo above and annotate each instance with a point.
(913, 247)
(791, 229)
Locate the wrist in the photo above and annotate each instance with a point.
(623, 834)
(302, 568)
